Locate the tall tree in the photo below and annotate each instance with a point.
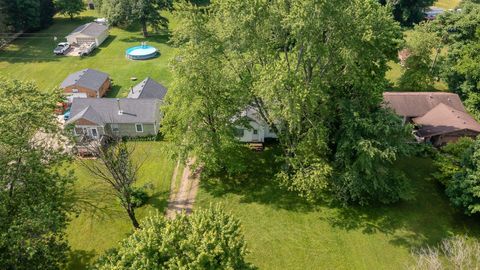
(116, 168)
(28, 15)
(460, 33)
(314, 71)
(408, 12)
(130, 12)
(70, 7)
(34, 191)
(464, 187)
(421, 66)
(208, 239)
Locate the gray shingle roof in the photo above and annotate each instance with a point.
(415, 104)
(148, 88)
(92, 29)
(105, 110)
(88, 78)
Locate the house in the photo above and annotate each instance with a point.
(89, 33)
(124, 117)
(148, 88)
(258, 130)
(438, 117)
(93, 83)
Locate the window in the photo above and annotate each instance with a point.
(78, 131)
(139, 127)
(238, 132)
(115, 128)
(94, 132)
(255, 132)
(74, 90)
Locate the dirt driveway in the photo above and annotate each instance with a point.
(184, 198)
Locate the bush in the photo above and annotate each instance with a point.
(207, 239)
(139, 197)
(457, 252)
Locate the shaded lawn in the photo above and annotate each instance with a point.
(31, 56)
(100, 228)
(283, 232)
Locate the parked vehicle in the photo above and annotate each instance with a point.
(87, 48)
(66, 115)
(61, 48)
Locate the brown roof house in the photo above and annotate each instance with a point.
(92, 83)
(438, 117)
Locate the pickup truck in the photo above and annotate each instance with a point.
(61, 48)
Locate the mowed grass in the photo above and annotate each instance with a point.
(31, 56)
(282, 232)
(447, 4)
(102, 223)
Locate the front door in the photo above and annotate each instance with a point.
(255, 135)
(94, 133)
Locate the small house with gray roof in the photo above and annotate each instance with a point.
(88, 33)
(94, 118)
(91, 82)
(148, 88)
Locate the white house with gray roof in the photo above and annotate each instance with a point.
(148, 88)
(89, 33)
(123, 117)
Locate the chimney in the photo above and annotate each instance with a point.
(120, 112)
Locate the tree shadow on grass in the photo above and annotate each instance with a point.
(258, 184)
(159, 200)
(425, 220)
(80, 259)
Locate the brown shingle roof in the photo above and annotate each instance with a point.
(444, 119)
(415, 104)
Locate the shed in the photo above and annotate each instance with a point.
(92, 82)
(89, 33)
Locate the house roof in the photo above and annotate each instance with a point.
(88, 78)
(444, 119)
(148, 88)
(415, 104)
(106, 110)
(92, 29)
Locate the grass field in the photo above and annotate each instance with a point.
(100, 228)
(283, 232)
(31, 57)
(447, 4)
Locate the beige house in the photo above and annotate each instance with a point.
(89, 33)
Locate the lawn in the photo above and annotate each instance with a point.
(31, 57)
(447, 4)
(99, 228)
(282, 232)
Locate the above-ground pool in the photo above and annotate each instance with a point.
(141, 52)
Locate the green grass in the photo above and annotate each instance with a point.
(31, 57)
(282, 232)
(447, 4)
(100, 228)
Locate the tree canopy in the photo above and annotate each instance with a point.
(460, 33)
(208, 239)
(27, 14)
(314, 71)
(70, 7)
(408, 12)
(131, 12)
(34, 190)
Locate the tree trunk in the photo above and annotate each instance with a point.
(131, 215)
(144, 29)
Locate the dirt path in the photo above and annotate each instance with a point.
(184, 198)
